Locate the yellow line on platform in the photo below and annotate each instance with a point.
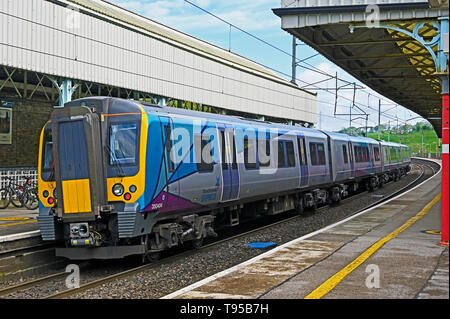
(12, 224)
(333, 281)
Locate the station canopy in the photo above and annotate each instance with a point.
(388, 61)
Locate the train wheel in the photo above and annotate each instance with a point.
(151, 257)
(197, 243)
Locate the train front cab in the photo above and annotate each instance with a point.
(84, 182)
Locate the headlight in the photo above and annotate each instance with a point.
(118, 189)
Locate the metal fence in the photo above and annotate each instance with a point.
(428, 155)
(18, 175)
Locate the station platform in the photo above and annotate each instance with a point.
(391, 251)
(16, 223)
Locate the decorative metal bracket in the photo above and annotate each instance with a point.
(65, 91)
(441, 25)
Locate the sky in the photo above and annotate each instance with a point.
(256, 17)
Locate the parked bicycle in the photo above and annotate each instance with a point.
(19, 195)
(29, 197)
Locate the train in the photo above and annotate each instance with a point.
(120, 177)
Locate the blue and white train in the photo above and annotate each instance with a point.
(119, 177)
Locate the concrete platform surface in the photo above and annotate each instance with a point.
(390, 251)
(15, 221)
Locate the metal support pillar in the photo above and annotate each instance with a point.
(294, 59)
(442, 72)
(379, 119)
(65, 91)
(445, 165)
(161, 101)
(440, 58)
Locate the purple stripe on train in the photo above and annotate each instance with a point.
(165, 202)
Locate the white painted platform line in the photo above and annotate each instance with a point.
(274, 250)
(19, 236)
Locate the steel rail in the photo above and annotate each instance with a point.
(96, 283)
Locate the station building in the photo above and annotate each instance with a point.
(52, 51)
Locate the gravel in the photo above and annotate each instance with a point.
(168, 277)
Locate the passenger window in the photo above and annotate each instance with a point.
(392, 154)
(263, 152)
(366, 154)
(321, 150)
(203, 152)
(281, 154)
(249, 153)
(313, 155)
(376, 152)
(169, 151)
(362, 154)
(344, 151)
(290, 153)
(317, 152)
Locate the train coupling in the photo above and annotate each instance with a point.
(82, 242)
(82, 236)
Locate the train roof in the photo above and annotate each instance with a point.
(362, 139)
(230, 118)
(392, 144)
(120, 105)
(337, 136)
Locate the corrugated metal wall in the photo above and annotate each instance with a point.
(42, 36)
(331, 17)
(331, 3)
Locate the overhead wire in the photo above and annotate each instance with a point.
(308, 67)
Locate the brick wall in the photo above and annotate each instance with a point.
(28, 120)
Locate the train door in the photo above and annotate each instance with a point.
(303, 161)
(78, 163)
(371, 158)
(352, 159)
(230, 173)
(171, 190)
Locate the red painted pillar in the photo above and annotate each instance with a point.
(445, 173)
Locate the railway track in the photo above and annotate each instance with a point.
(426, 171)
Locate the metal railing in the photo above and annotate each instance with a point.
(428, 155)
(18, 174)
